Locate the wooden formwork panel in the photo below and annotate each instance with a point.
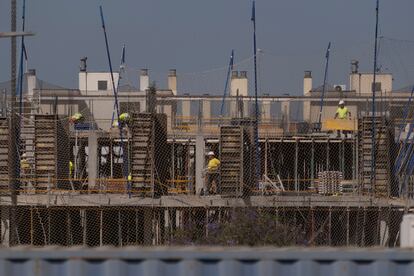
(52, 153)
(383, 179)
(235, 148)
(148, 164)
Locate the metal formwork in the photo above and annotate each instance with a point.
(379, 182)
(52, 150)
(148, 146)
(4, 158)
(235, 157)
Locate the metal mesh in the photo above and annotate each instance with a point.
(147, 181)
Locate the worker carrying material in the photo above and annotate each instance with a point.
(76, 118)
(342, 112)
(212, 173)
(123, 120)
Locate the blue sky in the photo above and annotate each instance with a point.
(196, 38)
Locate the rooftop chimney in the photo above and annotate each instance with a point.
(31, 82)
(307, 83)
(83, 64)
(143, 80)
(172, 81)
(354, 66)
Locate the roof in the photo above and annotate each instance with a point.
(41, 84)
(404, 89)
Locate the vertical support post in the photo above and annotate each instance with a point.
(92, 159)
(266, 156)
(296, 164)
(327, 156)
(312, 164)
(101, 227)
(347, 226)
(330, 226)
(199, 162)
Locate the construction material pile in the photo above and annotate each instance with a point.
(329, 182)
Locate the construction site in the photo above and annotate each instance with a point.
(72, 173)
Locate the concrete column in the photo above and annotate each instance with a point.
(234, 92)
(143, 80)
(172, 81)
(5, 226)
(266, 104)
(307, 87)
(186, 109)
(92, 159)
(199, 162)
(206, 109)
(31, 82)
(285, 107)
(168, 111)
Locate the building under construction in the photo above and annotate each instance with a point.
(95, 183)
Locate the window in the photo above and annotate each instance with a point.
(377, 87)
(102, 85)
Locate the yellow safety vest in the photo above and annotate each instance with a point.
(342, 112)
(213, 164)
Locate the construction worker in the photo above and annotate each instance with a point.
(212, 173)
(76, 118)
(71, 167)
(123, 119)
(342, 113)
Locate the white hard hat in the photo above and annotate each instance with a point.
(210, 153)
(24, 155)
(341, 102)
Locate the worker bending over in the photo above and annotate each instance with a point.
(76, 118)
(212, 173)
(342, 113)
(123, 120)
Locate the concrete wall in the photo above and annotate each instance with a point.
(88, 81)
(361, 82)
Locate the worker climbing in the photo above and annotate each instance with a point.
(342, 113)
(212, 174)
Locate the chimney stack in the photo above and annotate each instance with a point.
(31, 82)
(172, 81)
(307, 83)
(143, 80)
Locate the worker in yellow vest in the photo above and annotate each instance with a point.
(122, 121)
(212, 173)
(342, 113)
(76, 118)
(71, 167)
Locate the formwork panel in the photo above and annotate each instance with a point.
(149, 153)
(4, 158)
(52, 153)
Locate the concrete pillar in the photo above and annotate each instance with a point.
(143, 80)
(168, 111)
(172, 81)
(234, 92)
(5, 226)
(92, 159)
(148, 226)
(185, 110)
(206, 109)
(285, 107)
(199, 162)
(31, 82)
(266, 104)
(307, 87)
